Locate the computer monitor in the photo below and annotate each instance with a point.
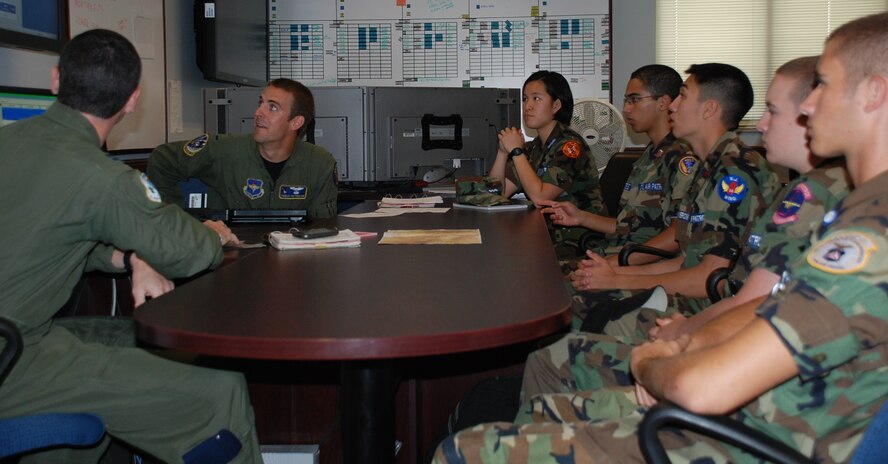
(18, 103)
(40, 25)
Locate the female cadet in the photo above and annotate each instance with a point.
(557, 164)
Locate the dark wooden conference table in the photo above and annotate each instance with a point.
(371, 306)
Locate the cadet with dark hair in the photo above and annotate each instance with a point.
(733, 185)
(808, 370)
(272, 168)
(557, 164)
(659, 178)
(69, 208)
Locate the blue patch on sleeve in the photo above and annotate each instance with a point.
(732, 189)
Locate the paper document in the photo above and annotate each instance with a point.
(286, 241)
(423, 202)
(389, 212)
(431, 237)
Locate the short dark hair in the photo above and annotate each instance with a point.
(303, 101)
(557, 88)
(659, 80)
(98, 71)
(726, 84)
(862, 47)
(804, 71)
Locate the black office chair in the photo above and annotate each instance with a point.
(34, 432)
(871, 450)
(715, 278)
(626, 251)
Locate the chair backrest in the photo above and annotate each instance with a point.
(613, 179)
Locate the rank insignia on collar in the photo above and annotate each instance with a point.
(842, 253)
(571, 149)
(732, 189)
(253, 188)
(196, 145)
(791, 204)
(686, 165)
(292, 192)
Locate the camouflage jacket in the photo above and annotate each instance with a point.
(784, 231)
(733, 185)
(654, 190)
(833, 317)
(566, 162)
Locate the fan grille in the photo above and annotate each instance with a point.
(602, 127)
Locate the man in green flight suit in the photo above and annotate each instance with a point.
(822, 334)
(270, 169)
(69, 208)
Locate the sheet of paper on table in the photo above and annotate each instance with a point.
(431, 237)
(389, 212)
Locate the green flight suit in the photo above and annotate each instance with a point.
(832, 316)
(66, 206)
(233, 169)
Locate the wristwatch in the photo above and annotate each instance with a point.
(127, 260)
(516, 152)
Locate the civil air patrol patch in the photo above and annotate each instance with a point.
(842, 253)
(150, 190)
(791, 204)
(292, 192)
(196, 145)
(732, 189)
(686, 165)
(253, 188)
(571, 149)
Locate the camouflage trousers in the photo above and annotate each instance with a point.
(612, 441)
(623, 313)
(578, 378)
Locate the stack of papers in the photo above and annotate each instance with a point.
(424, 202)
(286, 241)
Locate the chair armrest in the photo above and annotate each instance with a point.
(12, 349)
(588, 240)
(723, 428)
(627, 250)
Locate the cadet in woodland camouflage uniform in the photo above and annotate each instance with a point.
(583, 362)
(557, 164)
(732, 185)
(823, 333)
(659, 178)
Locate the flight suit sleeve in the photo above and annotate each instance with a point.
(131, 216)
(170, 163)
(99, 259)
(325, 202)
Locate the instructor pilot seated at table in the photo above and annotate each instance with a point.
(272, 169)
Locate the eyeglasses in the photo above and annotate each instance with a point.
(634, 99)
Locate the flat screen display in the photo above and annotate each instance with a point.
(18, 103)
(34, 24)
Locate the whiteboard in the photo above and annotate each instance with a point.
(140, 21)
(441, 43)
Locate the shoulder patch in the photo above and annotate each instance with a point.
(196, 145)
(732, 189)
(571, 149)
(843, 253)
(253, 188)
(791, 204)
(686, 165)
(150, 190)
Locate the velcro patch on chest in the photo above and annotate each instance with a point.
(254, 188)
(292, 192)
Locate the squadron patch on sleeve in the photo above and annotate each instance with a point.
(253, 188)
(292, 192)
(196, 145)
(842, 253)
(150, 191)
(791, 204)
(571, 149)
(686, 165)
(732, 189)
